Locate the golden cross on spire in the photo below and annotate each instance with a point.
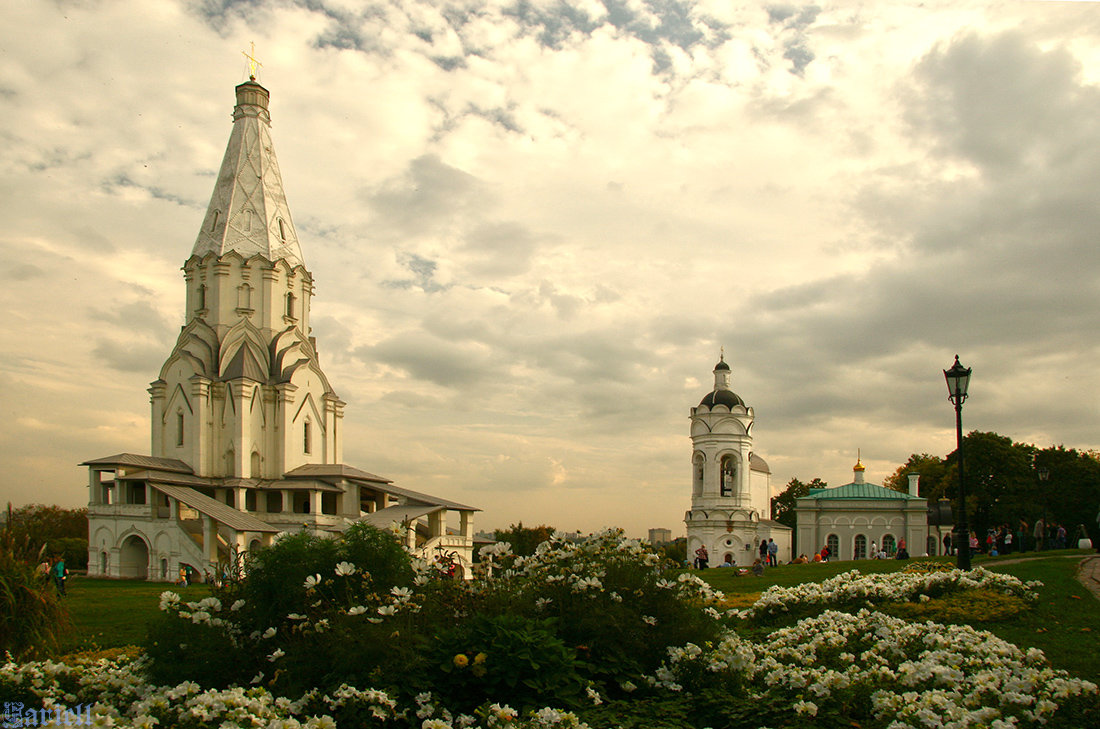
(722, 355)
(253, 64)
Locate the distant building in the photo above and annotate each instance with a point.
(730, 485)
(247, 431)
(850, 518)
(660, 536)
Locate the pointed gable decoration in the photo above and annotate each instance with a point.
(248, 212)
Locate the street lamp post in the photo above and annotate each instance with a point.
(958, 380)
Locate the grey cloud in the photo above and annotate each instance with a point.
(431, 359)
(136, 316)
(426, 197)
(129, 356)
(1002, 101)
(22, 272)
(500, 249)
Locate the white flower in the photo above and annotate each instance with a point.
(168, 599)
(357, 610)
(649, 620)
(387, 610)
(312, 581)
(806, 707)
(258, 677)
(270, 633)
(237, 605)
(401, 593)
(276, 655)
(344, 569)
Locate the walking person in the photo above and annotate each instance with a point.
(60, 574)
(773, 553)
(1040, 535)
(763, 551)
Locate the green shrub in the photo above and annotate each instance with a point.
(487, 657)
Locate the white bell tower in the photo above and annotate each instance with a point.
(730, 489)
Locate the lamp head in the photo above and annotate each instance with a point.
(958, 380)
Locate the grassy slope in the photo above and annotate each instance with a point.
(1064, 624)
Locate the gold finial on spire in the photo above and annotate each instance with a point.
(722, 353)
(253, 64)
(859, 463)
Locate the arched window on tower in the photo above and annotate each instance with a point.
(179, 428)
(290, 305)
(254, 467)
(697, 474)
(202, 296)
(282, 231)
(307, 438)
(214, 222)
(729, 476)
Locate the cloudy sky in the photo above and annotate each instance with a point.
(533, 223)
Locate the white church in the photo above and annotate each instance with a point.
(731, 486)
(247, 431)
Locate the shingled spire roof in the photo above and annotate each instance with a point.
(248, 212)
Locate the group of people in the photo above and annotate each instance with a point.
(1003, 539)
(57, 572)
(769, 557)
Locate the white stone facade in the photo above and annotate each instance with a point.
(246, 430)
(731, 486)
(849, 519)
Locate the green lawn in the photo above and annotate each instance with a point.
(114, 613)
(1064, 624)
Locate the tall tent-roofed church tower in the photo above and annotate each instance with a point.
(247, 431)
(730, 485)
(262, 405)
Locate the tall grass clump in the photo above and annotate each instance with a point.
(32, 617)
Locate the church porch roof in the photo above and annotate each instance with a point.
(150, 462)
(861, 491)
(232, 518)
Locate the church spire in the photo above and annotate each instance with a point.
(248, 212)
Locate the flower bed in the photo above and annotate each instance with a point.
(854, 590)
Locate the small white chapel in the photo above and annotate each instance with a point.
(852, 518)
(731, 485)
(246, 429)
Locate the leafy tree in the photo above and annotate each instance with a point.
(1000, 480)
(1071, 493)
(931, 469)
(783, 504)
(63, 532)
(524, 540)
